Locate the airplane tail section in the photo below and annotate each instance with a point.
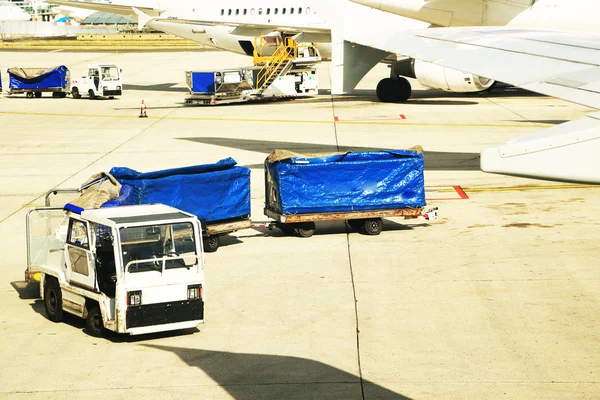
(142, 18)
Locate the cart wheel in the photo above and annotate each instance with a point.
(38, 95)
(372, 226)
(75, 93)
(305, 229)
(355, 223)
(91, 94)
(29, 94)
(211, 243)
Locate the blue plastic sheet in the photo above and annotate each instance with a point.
(214, 192)
(203, 82)
(348, 182)
(52, 78)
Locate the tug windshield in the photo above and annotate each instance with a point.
(158, 247)
(110, 73)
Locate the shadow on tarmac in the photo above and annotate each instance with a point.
(159, 87)
(27, 290)
(260, 376)
(434, 160)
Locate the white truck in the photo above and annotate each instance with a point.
(129, 269)
(102, 80)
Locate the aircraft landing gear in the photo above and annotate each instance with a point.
(393, 90)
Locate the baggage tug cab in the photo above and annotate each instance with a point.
(129, 269)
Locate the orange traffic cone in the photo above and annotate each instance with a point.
(143, 110)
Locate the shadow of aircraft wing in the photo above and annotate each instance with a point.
(259, 376)
(434, 160)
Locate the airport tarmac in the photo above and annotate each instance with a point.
(500, 298)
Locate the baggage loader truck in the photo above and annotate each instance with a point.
(129, 269)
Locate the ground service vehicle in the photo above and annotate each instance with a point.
(130, 269)
(239, 85)
(102, 80)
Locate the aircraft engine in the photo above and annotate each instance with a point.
(438, 77)
(449, 80)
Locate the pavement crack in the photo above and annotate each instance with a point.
(362, 387)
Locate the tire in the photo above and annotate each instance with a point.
(372, 226)
(91, 94)
(355, 223)
(211, 243)
(55, 95)
(29, 95)
(387, 89)
(111, 97)
(93, 322)
(53, 300)
(37, 95)
(405, 90)
(62, 95)
(305, 229)
(75, 93)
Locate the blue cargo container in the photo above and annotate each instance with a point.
(202, 82)
(213, 192)
(359, 187)
(218, 194)
(35, 81)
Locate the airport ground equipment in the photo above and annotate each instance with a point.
(102, 80)
(288, 73)
(217, 194)
(35, 81)
(130, 269)
(358, 187)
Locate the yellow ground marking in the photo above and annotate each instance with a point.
(295, 121)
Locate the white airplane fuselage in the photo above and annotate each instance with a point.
(569, 15)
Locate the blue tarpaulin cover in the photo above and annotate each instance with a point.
(203, 82)
(38, 78)
(348, 182)
(214, 192)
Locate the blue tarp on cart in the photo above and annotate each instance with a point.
(347, 182)
(214, 192)
(38, 78)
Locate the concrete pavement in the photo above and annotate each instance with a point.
(498, 299)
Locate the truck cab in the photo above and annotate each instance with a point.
(129, 269)
(102, 80)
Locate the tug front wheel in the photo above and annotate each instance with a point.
(53, 300)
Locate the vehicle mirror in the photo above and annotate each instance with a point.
(189, 261)
(120, 70)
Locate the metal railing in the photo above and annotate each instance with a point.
(285, 53)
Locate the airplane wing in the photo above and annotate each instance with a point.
(124, 9)
(560, 64)
(565, 65)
